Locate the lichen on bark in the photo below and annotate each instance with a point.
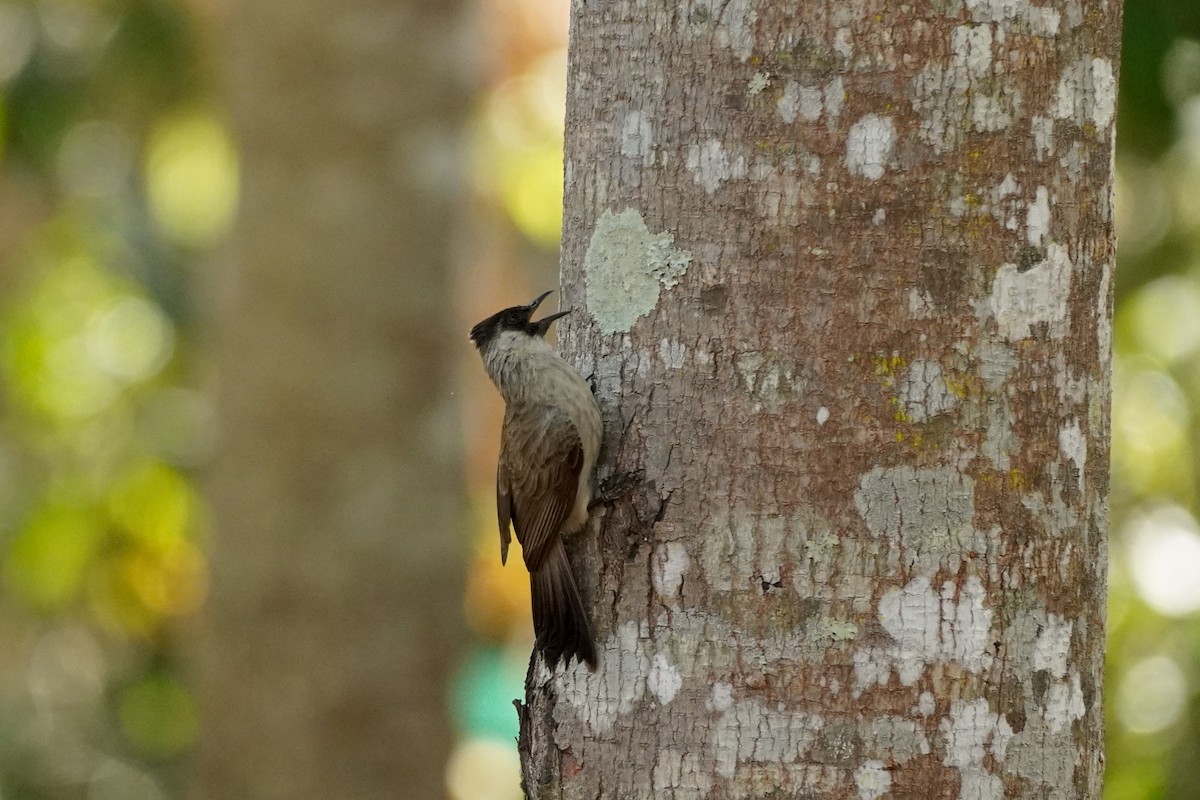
(866, 428)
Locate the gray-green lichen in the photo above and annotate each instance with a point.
(999, 443)
(924, 392)
(626, 267)
(928, 514)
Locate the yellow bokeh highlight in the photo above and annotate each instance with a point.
(1151, 441)
(518, 148)
(531, 188)
(152, 504)
(114, 603)
(191, 176)
(130, 338)
(159, 571)
(49, 365)
(169, 582)
(484, 769)
(1163, 318)
(47, 561)
(497, 597)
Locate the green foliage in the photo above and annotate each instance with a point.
(116, 174)
(158, 715)
(1154, 595)
(49, 558)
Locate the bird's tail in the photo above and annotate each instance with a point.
(560, 621)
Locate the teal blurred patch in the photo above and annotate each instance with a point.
(482, 694)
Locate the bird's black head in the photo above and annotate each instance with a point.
(517, 318)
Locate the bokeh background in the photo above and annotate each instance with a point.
(119, 187)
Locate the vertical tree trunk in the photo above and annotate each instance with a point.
(334, 614)
(847, 271)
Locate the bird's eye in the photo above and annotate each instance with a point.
(511, 320)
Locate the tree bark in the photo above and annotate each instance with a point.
(847, 274)
(334, 620)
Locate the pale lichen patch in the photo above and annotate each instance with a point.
(1037, 218)
(1042, 130)
(1038, 20)
(1021, 299)
(1104, 330)
(999, 443)
(920, 304)
(626, 266)
(664, 679)
(735, 27)
(996, 361)
(711, 165)
(749, 731)
(894, 739)
(972, 48)
(637, 139)
(929, 627)
(789, 102)
(873, 780)
(757, 83)
(924, 392)
(804, 101)
(947, 93)
(835, 95)
(671, 564)
(680, 776)
(721, 697)
(1052, 645)
(1087, 94)
(971, 732)
(869, 146)
(1056, 515)
(618, 684)
(673, 354)
(843, 43)
(835, 630)
(1073, 443)
(1064, 704)
(925, 514)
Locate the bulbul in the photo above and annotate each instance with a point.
(548, 449)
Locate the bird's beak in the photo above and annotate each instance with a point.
(544, 323)
(537, 301)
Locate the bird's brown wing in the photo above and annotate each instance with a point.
(503, 510)
(540, 458)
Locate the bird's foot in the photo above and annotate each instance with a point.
(616, 487)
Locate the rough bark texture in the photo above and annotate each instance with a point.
(846, 269)
(333, 623)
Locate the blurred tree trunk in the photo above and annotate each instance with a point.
(333, 621)
(847, 274)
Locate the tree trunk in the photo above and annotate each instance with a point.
(847, 273)
(333, 622)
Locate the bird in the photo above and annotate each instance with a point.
(548, 449)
